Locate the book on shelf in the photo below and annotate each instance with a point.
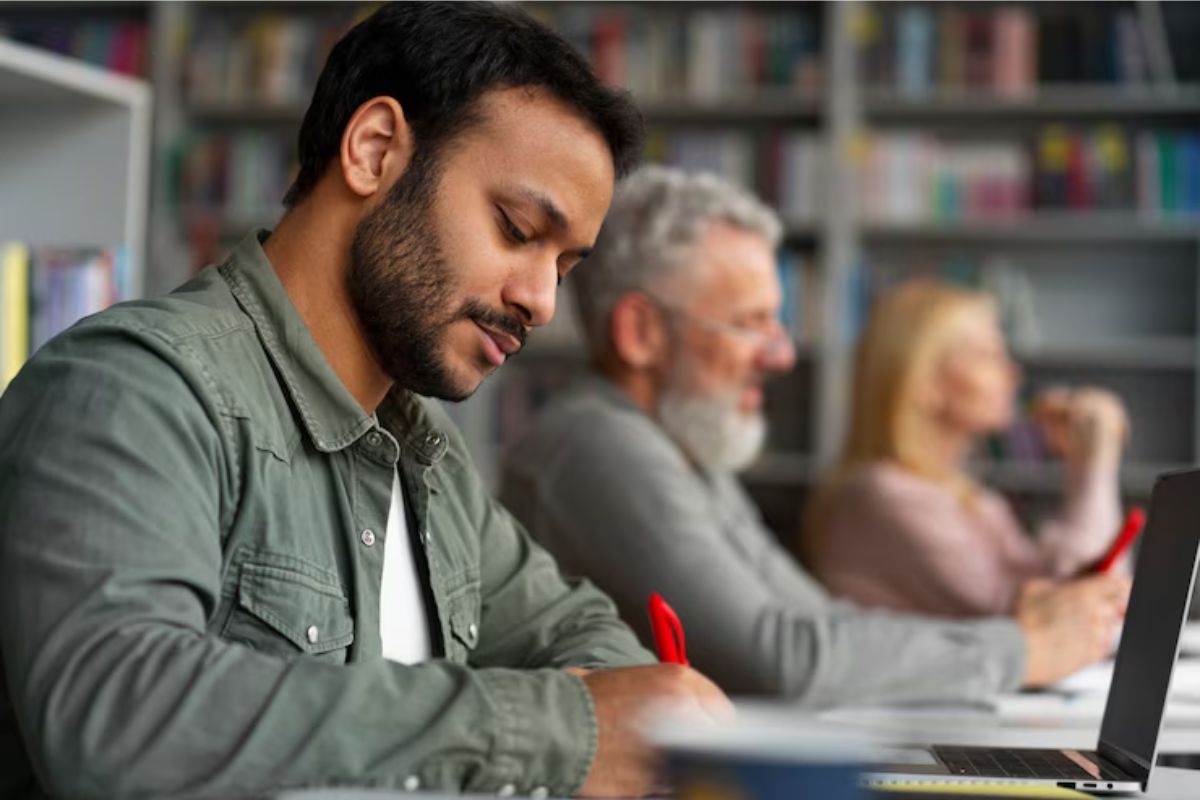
(14, 310)
(800, 312)
(1007, 282)
(271, 58)
(786, 168)
(45, 290)
(119, 46)
(703, 54)
(911, 176)
(1009, 50)
(1168, 180)
(907, 177)
(239, 176)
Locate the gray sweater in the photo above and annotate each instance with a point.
(602, 486)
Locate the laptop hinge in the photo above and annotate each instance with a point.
(1131, 766)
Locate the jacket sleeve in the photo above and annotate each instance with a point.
(622, 506)
(113, 473)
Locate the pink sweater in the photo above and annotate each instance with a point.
(898, 541)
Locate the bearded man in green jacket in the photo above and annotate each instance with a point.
(240, 553)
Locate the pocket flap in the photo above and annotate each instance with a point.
(464, 624)
(313, 615)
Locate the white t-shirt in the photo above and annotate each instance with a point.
(403, 623)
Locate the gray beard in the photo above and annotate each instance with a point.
(711, 430)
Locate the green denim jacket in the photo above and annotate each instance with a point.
(192, 520)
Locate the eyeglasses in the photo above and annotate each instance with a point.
(773, 340)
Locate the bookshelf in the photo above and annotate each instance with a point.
(113, 36)
(75, 154)
(1107, 275)
(1112, 287)
(705, 107)
(71, 125)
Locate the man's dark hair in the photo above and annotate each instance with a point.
(436, 60)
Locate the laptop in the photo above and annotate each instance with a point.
(1133, 714)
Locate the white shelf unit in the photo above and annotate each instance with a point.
(75, 145)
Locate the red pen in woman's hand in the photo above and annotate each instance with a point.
(668, 631)
(1134, 521)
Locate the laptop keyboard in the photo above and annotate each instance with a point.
(990, 762)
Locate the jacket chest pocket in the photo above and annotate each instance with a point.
(289, 613)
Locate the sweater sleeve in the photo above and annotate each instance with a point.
(1086, 523)
(893, 543)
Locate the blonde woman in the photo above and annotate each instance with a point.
(900, 523)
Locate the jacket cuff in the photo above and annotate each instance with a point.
(547, 734)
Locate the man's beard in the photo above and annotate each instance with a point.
(401, 288)
(712, 430)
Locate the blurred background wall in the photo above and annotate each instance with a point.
(1048, 152)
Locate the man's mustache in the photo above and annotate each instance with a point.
(497, 320)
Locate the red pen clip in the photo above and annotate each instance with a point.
(668, 631)
(1134, 521)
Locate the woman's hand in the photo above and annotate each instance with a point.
(1086, 427)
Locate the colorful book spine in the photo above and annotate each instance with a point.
(1015, 67)
(1168, 172)
(914, 51)
(907, 177)
(1008, 49)
(14, 310)
(117, 46)
(711, 53)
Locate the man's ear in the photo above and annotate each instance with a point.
(638, 330)
(377, 146)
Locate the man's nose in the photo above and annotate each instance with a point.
(532, 292)
(779, 352)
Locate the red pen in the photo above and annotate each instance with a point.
(1134, 521)
(668, 632)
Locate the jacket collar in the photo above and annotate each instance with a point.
(331, 415)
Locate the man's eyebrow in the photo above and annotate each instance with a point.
(543, 201)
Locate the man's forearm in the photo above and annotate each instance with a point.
(155, 710)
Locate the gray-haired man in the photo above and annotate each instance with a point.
(630, 480)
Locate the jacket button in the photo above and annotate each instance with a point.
(373, 439)
(313, 634)
(472, 630)
(412, 783)
(368, 537)
(433, 439)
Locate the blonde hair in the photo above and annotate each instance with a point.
(906, 335)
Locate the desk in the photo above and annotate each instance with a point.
(1067, 717)
(984, 728)
(1167, 784)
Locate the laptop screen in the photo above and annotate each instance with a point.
(1162, 585)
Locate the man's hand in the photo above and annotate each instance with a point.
(1069, 625)
(624, 765)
